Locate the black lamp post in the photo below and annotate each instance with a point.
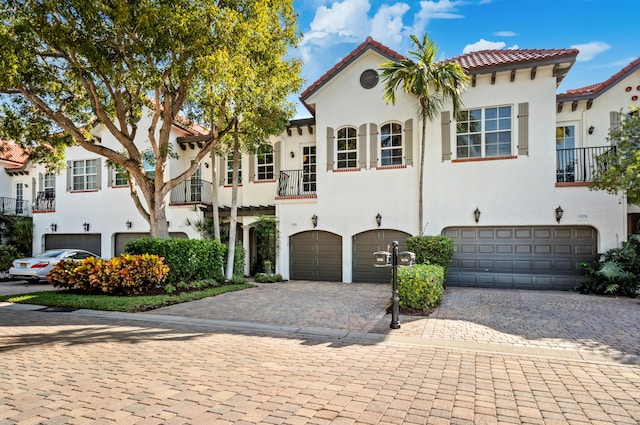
(395, 299)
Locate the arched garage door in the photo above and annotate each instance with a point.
(86, 241)
(526, 257)
(315, 255)
(365, 244)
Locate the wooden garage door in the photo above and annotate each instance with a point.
(535, 257)
(88, 242)
(365, 244)
(315, 255)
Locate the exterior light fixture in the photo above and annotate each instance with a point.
(559, 212)
(476, 214)
(85, 226)
(314, 221)
(128, 224)
(54, 227)
(379, 219)
(293, 154)
(591, 129)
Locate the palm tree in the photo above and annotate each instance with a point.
(433, 83)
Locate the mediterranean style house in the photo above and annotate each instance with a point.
(508, 178)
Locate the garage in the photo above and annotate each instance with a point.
(121, 239)
(531, 257)
(88, 242)
(365, 244)
(315, 255)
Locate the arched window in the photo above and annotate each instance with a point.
(391, 144)
(347, 150)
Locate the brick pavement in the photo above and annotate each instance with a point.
(245, 359)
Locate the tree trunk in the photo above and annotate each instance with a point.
(421, 182)
(234, 207)
(214, 201)
(158, 218)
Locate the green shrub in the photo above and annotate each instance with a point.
(616, 272)
(420, 286)
(432, 250)
(268, 277)
(238, 260)
(238, 279)
(124, 275)
(188, 259)
(7, 255)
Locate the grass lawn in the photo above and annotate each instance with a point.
(113, 303)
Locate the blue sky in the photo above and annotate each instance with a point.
(607, 33)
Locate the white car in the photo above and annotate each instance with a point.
(36, 268)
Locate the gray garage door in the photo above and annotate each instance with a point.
(365, 244)
(534, 257)
(121, 239)
(89, 242)
(315, 255)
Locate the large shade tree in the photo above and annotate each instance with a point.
(69, 65)
(432, 83)
(618, 169)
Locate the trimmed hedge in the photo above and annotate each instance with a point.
(188, 259)
(8, 253)
(123, 275)
(432, 250)
(420, 286)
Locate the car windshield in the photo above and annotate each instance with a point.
(49, 254)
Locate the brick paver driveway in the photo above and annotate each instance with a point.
(476, 360)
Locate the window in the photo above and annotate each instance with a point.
(391, 144)
(85, 174)
(484, 132)
(264, 157)
(565, 153)
(49, 186)
(19, 198)
(347, 148)
(149, 164)
(308, 169)
(121, 177)
(195, 185)
(230, 168)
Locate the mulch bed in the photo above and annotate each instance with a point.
(407, 311)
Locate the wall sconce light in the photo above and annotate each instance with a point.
(314, 221)
(476, 214)
(559, 212)
(167, 223)
(54, 227)
(591, 129)
(206, 165)
(85, 226)
(128, 224)
(379, 219)
(293, 154)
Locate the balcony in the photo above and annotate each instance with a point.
(45, 202)
(12, 206)
(296, 183)
(577, 165)
(192, 191)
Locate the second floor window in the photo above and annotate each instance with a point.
(121, 177)
(484, 132)
(230, 168)
(49, 186)
(391, 144)
(85, 174)
(264, 158)
(565, 153)
(347, 148)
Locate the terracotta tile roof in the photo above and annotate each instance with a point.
(484, 59)
(369, 43)
(11, 152)
(594, 90)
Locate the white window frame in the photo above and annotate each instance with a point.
(482, 127)
(49, 185)
(388, 143)
(230, 168)
(265, 170)
(565, 162)
(84, 174)
(347, 157)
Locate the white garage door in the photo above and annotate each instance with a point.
(532, 257)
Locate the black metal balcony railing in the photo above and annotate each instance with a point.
(296, 182)
(12, 206)
(192, 191)
(45, 201)
(578, 165)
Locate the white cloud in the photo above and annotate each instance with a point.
(387, 25)
(347, 20)
(505, 34)
(484, 45)
(443, 9)
(589, 50)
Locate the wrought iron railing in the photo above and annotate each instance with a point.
(578, 165)
(13, 206)
(192, 191)
(45, 201)
(296, 182)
